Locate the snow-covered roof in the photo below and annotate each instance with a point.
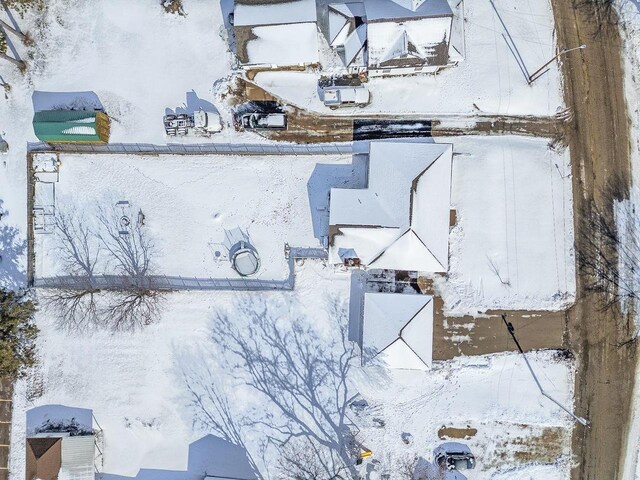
(385, 10)
(401, 220)
(269, 12)
(417, 41)
(398, 328)
(347, 29)
(282, 45)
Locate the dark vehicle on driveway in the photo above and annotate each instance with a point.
(454, 456)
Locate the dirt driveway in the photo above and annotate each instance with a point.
(599, 143)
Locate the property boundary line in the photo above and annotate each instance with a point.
(167, 282)
(195, 149)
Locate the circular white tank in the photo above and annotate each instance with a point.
(244, 259)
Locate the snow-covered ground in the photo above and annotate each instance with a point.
(512, 246)
(630, 31)
(141, 61)
(189, 201)
(137, 59)
(134, 384)
(488, 80)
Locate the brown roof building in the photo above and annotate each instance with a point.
(44, 458)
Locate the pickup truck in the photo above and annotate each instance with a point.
(264, 120)
(335, 97)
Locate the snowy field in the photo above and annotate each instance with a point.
(189, 201)
(512, 247)
(135, 384)
(133, 62)
(489, 80)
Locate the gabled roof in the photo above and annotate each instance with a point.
(347, 30)
(402, 47)
(394, 10)
(44, 458)
(400, 327)
(401, 220)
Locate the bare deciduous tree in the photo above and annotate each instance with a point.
(125, 305)
(128, 309)
(132, 251)
(78, 250)
(79, 253)
(608, 252)
(303, 377)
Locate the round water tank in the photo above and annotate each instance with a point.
(244, 259)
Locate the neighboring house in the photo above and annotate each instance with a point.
(400, 221)
(76, 126)
(276, 33)
(60, 444)
(347, 33)
(391, 37)
(397, 329)
(407, 36)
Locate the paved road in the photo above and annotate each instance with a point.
(304, 126)
(599, 143)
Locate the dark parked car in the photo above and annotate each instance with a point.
(454, 456)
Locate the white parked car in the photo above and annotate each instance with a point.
(335, 97)
(264, 120)
(207, 122)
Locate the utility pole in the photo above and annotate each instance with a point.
(535, 75)
(511, 329)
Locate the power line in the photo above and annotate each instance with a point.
(511, 329)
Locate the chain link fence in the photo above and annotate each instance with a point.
(196, 149)
(167, 282)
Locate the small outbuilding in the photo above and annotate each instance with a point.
(72, 126)
(60, 444)
(397, 329)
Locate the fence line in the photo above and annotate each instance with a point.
(196, 149)
(168, 282)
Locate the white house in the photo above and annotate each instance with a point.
(400, 221)
(275, 33)
(391, 37)
(407, 36)
(397, 329)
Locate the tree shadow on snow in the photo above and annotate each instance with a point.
(298, 375)
(13, 249)
(209, 456)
